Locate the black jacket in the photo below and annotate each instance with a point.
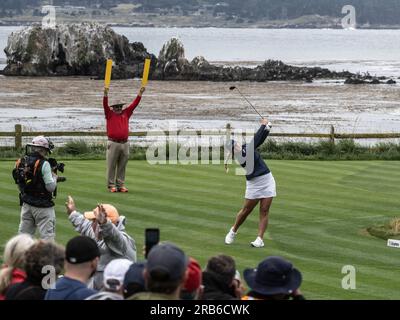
(25, 291)
(216, 288)
(35, 193)
(259, 168)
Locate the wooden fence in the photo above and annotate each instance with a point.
(17, 134)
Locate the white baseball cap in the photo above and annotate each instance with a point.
(43, 142)
(114, 274)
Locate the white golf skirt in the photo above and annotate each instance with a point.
(261, 187)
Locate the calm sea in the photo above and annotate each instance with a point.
(376, 51)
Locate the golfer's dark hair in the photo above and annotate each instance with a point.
(223, 266)
(41, 254)
(158, 281)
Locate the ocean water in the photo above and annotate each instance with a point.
(376, 51)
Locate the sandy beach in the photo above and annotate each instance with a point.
(75, 103)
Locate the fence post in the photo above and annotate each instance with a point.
(332, 135)
(18, 136)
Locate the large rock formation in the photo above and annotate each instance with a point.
(77, 49)
(82, 49)
(172, 65)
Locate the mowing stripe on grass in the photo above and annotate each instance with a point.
(316, 220)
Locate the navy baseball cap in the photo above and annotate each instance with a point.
(135, 275)
(167, 259)
(273, 275)
(81, 249)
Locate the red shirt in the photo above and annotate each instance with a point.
(17, 276)
(118, 124)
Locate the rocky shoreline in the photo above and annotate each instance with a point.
(82, 50)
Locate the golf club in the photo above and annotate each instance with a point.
(233, 88)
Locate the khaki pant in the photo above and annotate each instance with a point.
(117, 159)
(42, 218)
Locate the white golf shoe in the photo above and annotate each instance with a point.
(258, 243)
(230, 237)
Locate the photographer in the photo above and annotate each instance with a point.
(37, 182)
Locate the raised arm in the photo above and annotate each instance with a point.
(135, 103)
(114, 239)
(262, 133)
(81, 225)
(107, 110)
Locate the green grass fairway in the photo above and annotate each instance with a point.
(317, 221)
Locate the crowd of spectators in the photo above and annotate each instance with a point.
(101, 264)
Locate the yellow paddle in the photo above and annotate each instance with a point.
(107, 78)
(146, 71)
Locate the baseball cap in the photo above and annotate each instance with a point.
(273, 275)
(111, 212)
(169, 259)
(114, 273)
(194, 278)
(81, 249)
(43, 142)
(135, 275)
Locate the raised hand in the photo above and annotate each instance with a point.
(70, 205)
(100, 214)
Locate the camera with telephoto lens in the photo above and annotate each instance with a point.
(55, 167)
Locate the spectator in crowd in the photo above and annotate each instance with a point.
(107, 228)
(81, 259)
(192, 289)
(219, 279)
(14, 258)
(134, 280)
(114, 275)
(164, 273)
(274, 279)
(44, 261)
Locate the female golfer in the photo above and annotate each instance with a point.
(260, 184)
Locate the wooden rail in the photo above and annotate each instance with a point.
(17, 134)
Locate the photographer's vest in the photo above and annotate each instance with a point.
(35, 193)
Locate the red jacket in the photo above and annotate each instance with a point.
(17, 276)
(118, 124)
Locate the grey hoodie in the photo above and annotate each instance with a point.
(116, 243)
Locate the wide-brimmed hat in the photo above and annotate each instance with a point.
(118, 106)
(111, 212)
(273, 276)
